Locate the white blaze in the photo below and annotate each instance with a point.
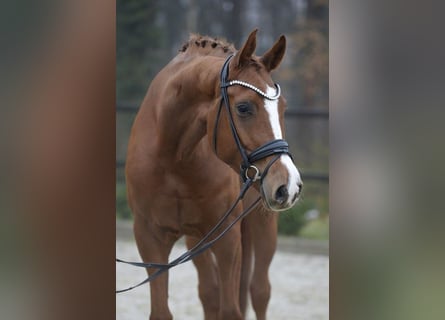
(271, 107)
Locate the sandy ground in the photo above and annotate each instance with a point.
(300, 286)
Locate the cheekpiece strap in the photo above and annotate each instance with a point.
(274, 147)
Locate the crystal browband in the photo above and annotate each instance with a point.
(260, 92)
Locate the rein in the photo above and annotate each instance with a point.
(201, 246)
(275, 147)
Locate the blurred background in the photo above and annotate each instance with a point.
(149, 35)
(386, 156)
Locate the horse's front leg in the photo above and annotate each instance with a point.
(264, 237)
(208, 281)
(228, 256)
(152, 249)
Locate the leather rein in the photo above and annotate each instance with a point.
(275, 147)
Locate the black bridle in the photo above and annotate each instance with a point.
(275, 147)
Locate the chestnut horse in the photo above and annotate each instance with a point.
(183, 165)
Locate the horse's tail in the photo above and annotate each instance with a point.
(246, 265)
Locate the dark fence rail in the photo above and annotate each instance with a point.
(320, 113)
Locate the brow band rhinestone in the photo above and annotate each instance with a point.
(260, 92)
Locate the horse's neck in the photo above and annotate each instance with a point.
(183, 113)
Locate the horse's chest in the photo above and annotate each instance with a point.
(187, 205)
(182, 215)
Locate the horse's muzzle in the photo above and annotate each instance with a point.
(282, 186)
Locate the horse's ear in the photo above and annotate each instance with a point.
(243, 56)
(272, 58)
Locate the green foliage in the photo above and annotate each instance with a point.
(291, 221)
(122, 209)
(316, 229)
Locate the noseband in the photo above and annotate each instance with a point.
(275, 147)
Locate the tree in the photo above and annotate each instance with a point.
(138, 42)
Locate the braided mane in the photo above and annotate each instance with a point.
(206, 45)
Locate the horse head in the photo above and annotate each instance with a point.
(249, 130)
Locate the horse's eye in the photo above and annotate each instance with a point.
(244, 110)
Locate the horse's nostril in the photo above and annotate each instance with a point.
(282, 194)
(300, 187)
